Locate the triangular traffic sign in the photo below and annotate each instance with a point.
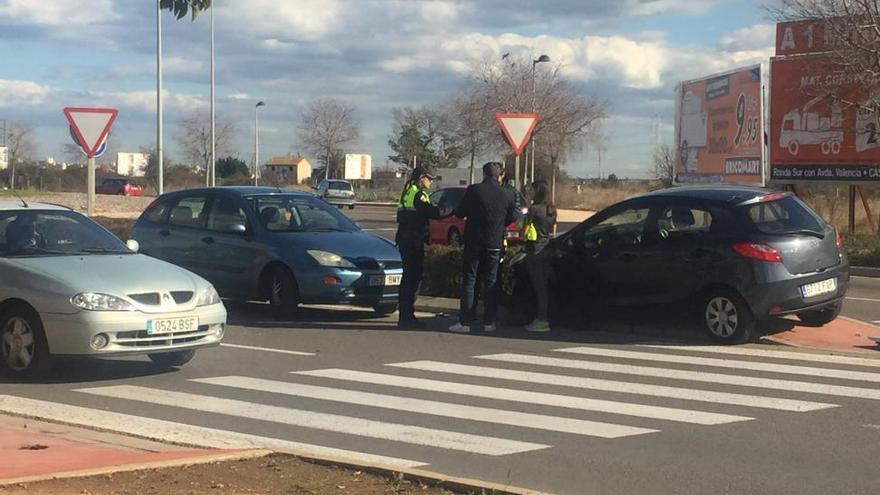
(91, 126)
(517, 128)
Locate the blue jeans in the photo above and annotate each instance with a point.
(479, 264)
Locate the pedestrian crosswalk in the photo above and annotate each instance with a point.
(490, 404)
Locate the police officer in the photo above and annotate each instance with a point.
(413, 212)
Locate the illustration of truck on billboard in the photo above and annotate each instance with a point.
(693, 130)
(807, 126)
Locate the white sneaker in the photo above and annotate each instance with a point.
(538, 326)
(490, 328)
(459, 328)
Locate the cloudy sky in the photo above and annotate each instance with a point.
(377, 54)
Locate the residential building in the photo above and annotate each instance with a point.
(290, 169)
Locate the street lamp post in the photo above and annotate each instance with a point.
(159, 152)
(257, 140)
(539, 60)
(211, 174)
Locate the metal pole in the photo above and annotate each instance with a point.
(90, 202)
(516, 172)
(852, 209)
(159, 151)
(534, 104)
(211, 175)
(256, 143)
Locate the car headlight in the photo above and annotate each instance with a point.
(325, 258)
(93, 301)
(208, 297)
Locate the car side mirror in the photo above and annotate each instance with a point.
(236, 228)
(132, 245)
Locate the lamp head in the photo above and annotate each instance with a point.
(260, 104)
(542, 59)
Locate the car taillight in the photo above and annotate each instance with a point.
(837, 239)
(757, 251)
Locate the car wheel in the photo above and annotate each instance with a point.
(172, 359)
(350, 207)
(283, 293)
(339, 206)
(385, 308)
(453, 238)
(727, 317)
(23, 345)
(819, 317)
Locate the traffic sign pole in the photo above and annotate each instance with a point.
(90, 203)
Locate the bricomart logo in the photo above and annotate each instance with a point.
(749, 165)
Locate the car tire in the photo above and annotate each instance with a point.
(283, 292)
(350, 207)
(172, 359)
(385, 309)
(453, 238)
(23, 346)
(726, 317)
(819, 317)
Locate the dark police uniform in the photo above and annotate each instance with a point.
(413, 212)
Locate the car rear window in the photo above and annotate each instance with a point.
(786, 215)
(340, 186)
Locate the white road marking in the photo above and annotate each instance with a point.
(867, 299)
(525, 396)
(751, 351)
(617, 386)
(694, 376)
(445, 409)
(180, 433)
(319, 421)
(266, 349)
(861, 376)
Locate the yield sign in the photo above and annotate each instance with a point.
(517, 128)
(90, 126)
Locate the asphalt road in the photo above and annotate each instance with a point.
(863, 301)
(575, 413)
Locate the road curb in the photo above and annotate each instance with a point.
(864, 271)
(174, 463)
(851, 351)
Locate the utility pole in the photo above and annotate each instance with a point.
(159, 151)
(211, 173)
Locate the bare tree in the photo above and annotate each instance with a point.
(20, 147)
(664, 164)
(195, 138)
(851, 33)
(472, 122)
(326, 126)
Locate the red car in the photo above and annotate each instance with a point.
(119, 187)
(450, 231)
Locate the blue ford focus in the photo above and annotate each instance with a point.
(284, 246)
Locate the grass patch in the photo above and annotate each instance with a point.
(862, 249)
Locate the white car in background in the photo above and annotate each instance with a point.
(69, 287)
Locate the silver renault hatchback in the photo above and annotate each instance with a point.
(70, 287)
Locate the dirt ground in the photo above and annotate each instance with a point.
(105, 204)
(275, 474)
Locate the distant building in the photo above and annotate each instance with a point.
(290, 169)
(456, 177)
(4, 158)
(131, 164)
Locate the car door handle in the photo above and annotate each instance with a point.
(208, 240)
(164, 233)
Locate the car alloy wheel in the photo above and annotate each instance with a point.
(19, 344)
(727, 317)
(722, 317)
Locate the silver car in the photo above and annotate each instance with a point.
(69, 287)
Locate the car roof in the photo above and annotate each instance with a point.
(242, 191)
(12, 205)
(723, 194)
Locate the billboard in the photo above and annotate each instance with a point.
(821, 125)
(358, 167)
(4, 158)
(719, 129)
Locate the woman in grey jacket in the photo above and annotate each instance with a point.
(542, 216)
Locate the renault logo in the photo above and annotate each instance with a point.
(167, 300)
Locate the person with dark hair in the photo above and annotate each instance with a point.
(489, 209)
(538, 226)
(414, 209)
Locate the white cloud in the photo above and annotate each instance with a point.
(239, 96)
(302, 20)
(757, 37)
(437, 11)
(171, 66)
(57, 13)
(679, 7)
(14, 93)
(146, 100)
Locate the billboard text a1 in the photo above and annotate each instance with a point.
(822, 125)
(719, 129)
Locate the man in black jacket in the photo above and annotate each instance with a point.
(489, 209)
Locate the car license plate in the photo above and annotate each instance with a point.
(172, 325)
(387, 280)
(819, 288)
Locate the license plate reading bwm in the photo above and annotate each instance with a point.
(172, 325)
(819, 288)
(387, 280)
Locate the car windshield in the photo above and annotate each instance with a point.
(784, 216)
(54, 233)
(299, 213)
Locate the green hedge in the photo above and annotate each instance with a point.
(442, 276)
(862, 249)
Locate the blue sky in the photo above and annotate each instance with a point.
(377, 54)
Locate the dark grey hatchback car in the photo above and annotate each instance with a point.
(737, 254)
(284, 246)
